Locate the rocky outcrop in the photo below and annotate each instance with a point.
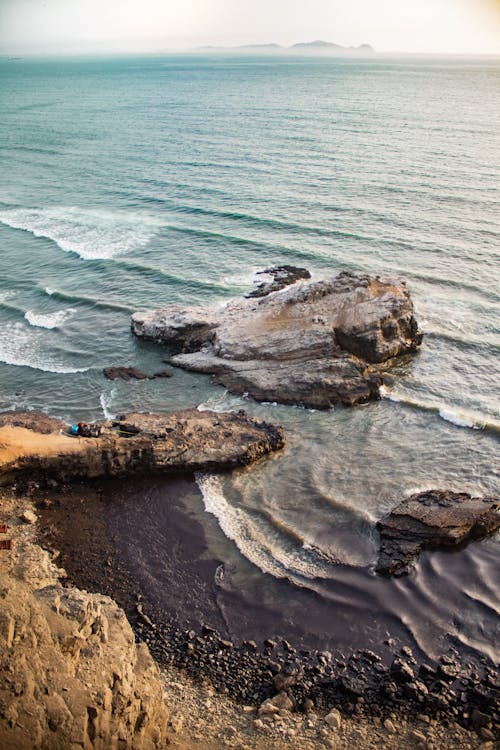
(71, 675)
(430, 520)
(133, 373)
(316, 344)
(183, 441)
(281, 276)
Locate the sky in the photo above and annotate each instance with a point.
(100, 26)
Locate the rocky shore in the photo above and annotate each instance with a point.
(277, 693)
(311, 343)
(212, 693)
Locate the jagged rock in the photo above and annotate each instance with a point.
(315, 343)
(281, 276)
(430, 520)
(71, 674)
(188, 440)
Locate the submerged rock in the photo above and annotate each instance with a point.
(431, 520)
(132, 373)
(188, 440)
(315, 344)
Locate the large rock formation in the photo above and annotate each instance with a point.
(187, 441)
(430, 520)
(316, 344)
(71, 675)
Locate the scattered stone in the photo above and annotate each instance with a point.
(334, 719)
(402, 671)
(418, 737)
(28, 517)
(389, 726)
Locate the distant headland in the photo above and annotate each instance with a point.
(317, 46)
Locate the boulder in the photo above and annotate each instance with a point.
(312, 343)
(430, 520)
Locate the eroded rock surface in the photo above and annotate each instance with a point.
(71, 675)
(187, 441)
(430, 520)
(316, 344)
(281, 276)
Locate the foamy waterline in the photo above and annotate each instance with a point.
(90, 233)
(458, 417)
(301, 564)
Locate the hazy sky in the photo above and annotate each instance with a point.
(74, 26)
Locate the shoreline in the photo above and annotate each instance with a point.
(360, 683)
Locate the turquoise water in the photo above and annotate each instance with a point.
(136, 183)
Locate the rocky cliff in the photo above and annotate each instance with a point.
(71, 675)
(312, 343)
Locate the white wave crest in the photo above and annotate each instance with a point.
(25, 347)
(90, 233)
(48, 320)
(260, 546)
(106, 400)
(456, 416)
(457, 419)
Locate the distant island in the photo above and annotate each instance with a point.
(311, 47)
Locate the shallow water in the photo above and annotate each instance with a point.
(138, 183)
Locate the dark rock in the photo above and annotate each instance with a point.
(479, 719)
(123, 373)
(270, 644)
(282, 276)
(354, 684)
(315, 344)
(401, 671)
(430, 520)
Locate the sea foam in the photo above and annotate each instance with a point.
(90, 233)
(261, 546)
(25, 347)
(48, 320)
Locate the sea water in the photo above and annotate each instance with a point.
(135, 183)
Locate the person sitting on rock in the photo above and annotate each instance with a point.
(83, 429)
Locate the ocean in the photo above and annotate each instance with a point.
(135, 183)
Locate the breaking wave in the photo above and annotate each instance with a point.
(48, 320)
(24, 347)
(89, 233)
(456, 416)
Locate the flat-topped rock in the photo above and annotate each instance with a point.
(183, 441)
(311, 343)
(431, 520)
